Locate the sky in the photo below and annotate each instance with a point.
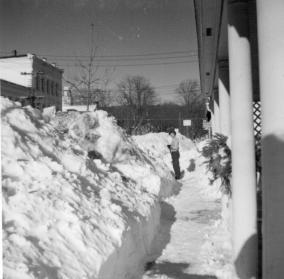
(152, 38)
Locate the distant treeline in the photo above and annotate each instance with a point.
(160, 118)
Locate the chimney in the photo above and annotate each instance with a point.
(44, 59)
(53, 64)
(15, 52)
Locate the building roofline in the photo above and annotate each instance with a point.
(13, 83)
(208, 50)
(13, 56)
(197, 28)
(34, 56)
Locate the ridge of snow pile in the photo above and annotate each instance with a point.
(67, 216)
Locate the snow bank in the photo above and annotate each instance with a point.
(155, 145)
(66, 215)
(48, 113)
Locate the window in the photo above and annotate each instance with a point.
(47, 86)
(42, 85)
(37, 82)
(208, 32)
(52, 87)
(56, 89)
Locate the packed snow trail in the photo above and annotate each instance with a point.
(186, 222)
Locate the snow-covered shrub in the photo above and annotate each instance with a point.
(218, 163)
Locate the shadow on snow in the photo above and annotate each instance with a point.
(175, 270)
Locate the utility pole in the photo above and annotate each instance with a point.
(90, 66)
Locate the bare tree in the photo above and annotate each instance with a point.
(189, 92)
(106, 98)
(90, 84)
(136, 93)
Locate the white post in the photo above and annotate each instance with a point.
(217, 128)
(212, 107)
(224, 97)
(243, 155)
(270, 15)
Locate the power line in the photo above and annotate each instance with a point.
(125, 55)
(123, 59)
(132, 65)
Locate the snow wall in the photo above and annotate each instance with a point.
(66, 215)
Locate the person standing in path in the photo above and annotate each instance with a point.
(174, 149)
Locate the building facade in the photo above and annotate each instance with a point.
(42, 79)
(241, 59)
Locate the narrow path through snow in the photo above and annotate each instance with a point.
(186, 220)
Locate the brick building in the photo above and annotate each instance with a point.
(33, 78)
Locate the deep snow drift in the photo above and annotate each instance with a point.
(66, 215)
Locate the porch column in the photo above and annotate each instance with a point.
(224, 97)
(271, 69)
(216, 120)
(243, 155)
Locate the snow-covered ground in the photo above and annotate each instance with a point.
(107, 215)
(82, 108)
(195, 238)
